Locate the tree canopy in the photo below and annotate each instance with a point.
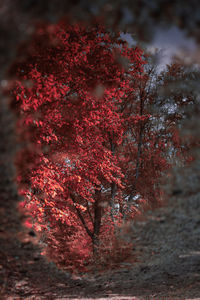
(93, 149)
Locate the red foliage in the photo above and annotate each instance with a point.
(88, 142)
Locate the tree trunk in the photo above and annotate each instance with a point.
(97, 222)
(95, 245)
(113, 184)
(139, 151)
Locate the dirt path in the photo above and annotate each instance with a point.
(167, 247)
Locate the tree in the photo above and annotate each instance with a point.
(69, 90)
(92, 153)
(178, 100)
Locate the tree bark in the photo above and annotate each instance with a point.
(113, 184)
(139, 148)
(97, 222)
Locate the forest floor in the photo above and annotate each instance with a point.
(167, 265)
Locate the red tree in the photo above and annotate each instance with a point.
(91, 155)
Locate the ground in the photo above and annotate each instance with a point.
(166, 264)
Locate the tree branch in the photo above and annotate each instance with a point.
(81, 217)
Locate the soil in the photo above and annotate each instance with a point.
(166, 248)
